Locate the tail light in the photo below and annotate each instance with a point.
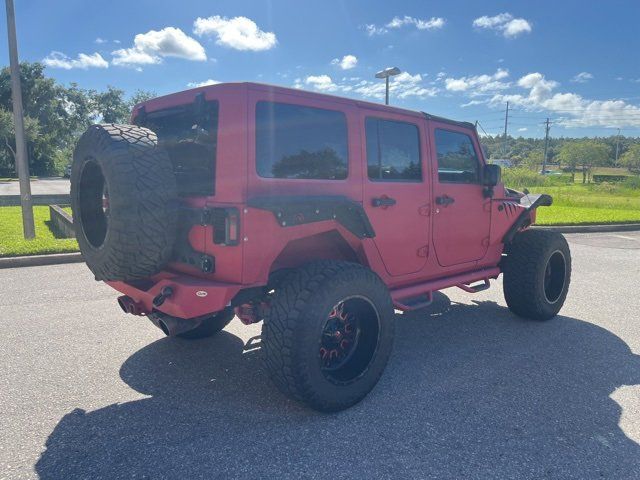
(226, 226)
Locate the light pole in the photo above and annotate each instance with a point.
(386, 73)
(22, 161)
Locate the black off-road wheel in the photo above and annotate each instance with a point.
(537, 272)
(123, 195)
(328, 334)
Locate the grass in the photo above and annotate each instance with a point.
(13, 244)
(589, 204)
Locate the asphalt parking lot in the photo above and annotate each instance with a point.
(40, 186)
(471, 391)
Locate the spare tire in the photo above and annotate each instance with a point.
(123, 195)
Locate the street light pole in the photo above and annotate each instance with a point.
(22, 160)
(386, 73)
(386, 91)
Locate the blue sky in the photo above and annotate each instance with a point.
(574, 61)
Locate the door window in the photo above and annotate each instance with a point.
(457, 159)
(393, 151)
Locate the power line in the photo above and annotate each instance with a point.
(506, 123)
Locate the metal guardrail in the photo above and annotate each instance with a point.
(14, 200)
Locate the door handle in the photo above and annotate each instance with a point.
(444, 200)
(383, 201)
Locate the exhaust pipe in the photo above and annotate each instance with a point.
(129, 305)
(172, 326)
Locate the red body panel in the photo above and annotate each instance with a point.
(417, 243)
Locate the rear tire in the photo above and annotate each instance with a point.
(328, 334)
(123, 194)
(537, 273)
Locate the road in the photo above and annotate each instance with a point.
(470, 392)
(41, 186)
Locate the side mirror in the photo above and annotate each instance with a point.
(491, 175)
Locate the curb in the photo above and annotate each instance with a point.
(623, 227)
(38, 260)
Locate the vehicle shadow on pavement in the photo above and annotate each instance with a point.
(471, 392)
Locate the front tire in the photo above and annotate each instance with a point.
(537, 273)
(328, 334)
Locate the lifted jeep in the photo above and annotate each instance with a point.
(317, 214)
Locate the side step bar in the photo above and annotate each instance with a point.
(420, 295)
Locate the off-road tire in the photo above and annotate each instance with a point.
(210, 325)
(292, 331)
(137, 238)
(524, 270)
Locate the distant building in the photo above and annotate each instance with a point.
(503, 162)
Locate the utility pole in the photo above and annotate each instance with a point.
(22, 160)
(546, 146)
(617, 148)
(506, 123)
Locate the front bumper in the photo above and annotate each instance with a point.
(190, 296)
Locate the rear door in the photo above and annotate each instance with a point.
(462, 214)
(396, 193)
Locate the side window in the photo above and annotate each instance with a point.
(293, 141)
(393, 150)
(457, 159)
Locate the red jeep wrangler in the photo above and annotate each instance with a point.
(317, 214)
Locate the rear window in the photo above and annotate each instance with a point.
(189, 133)
(293, 141)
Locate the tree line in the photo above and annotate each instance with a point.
(571, 153)
(55, 116)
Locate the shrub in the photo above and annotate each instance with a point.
(632, 182)
(523, 177)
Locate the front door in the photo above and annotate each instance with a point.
(462, 214)
(396, 195)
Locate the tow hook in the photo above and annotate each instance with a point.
(165, 293)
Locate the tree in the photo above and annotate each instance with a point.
(533, 160)
(110, 106)
(8, 135)
(140, 96)
(585, 153)
(631, 158)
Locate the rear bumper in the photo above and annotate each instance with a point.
(191, 297)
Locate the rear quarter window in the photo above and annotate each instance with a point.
(299, 142)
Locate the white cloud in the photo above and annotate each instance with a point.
(402, 86)
(100, 40)
(151, 47)
(478, 84)
(348, 62)
(209, 81)
(571, 109)
(240, 33)
(324, 83)
(523, 129)
(84, 61)
(372, 30)
(582, 77)
(433, 23)
(505, 23)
